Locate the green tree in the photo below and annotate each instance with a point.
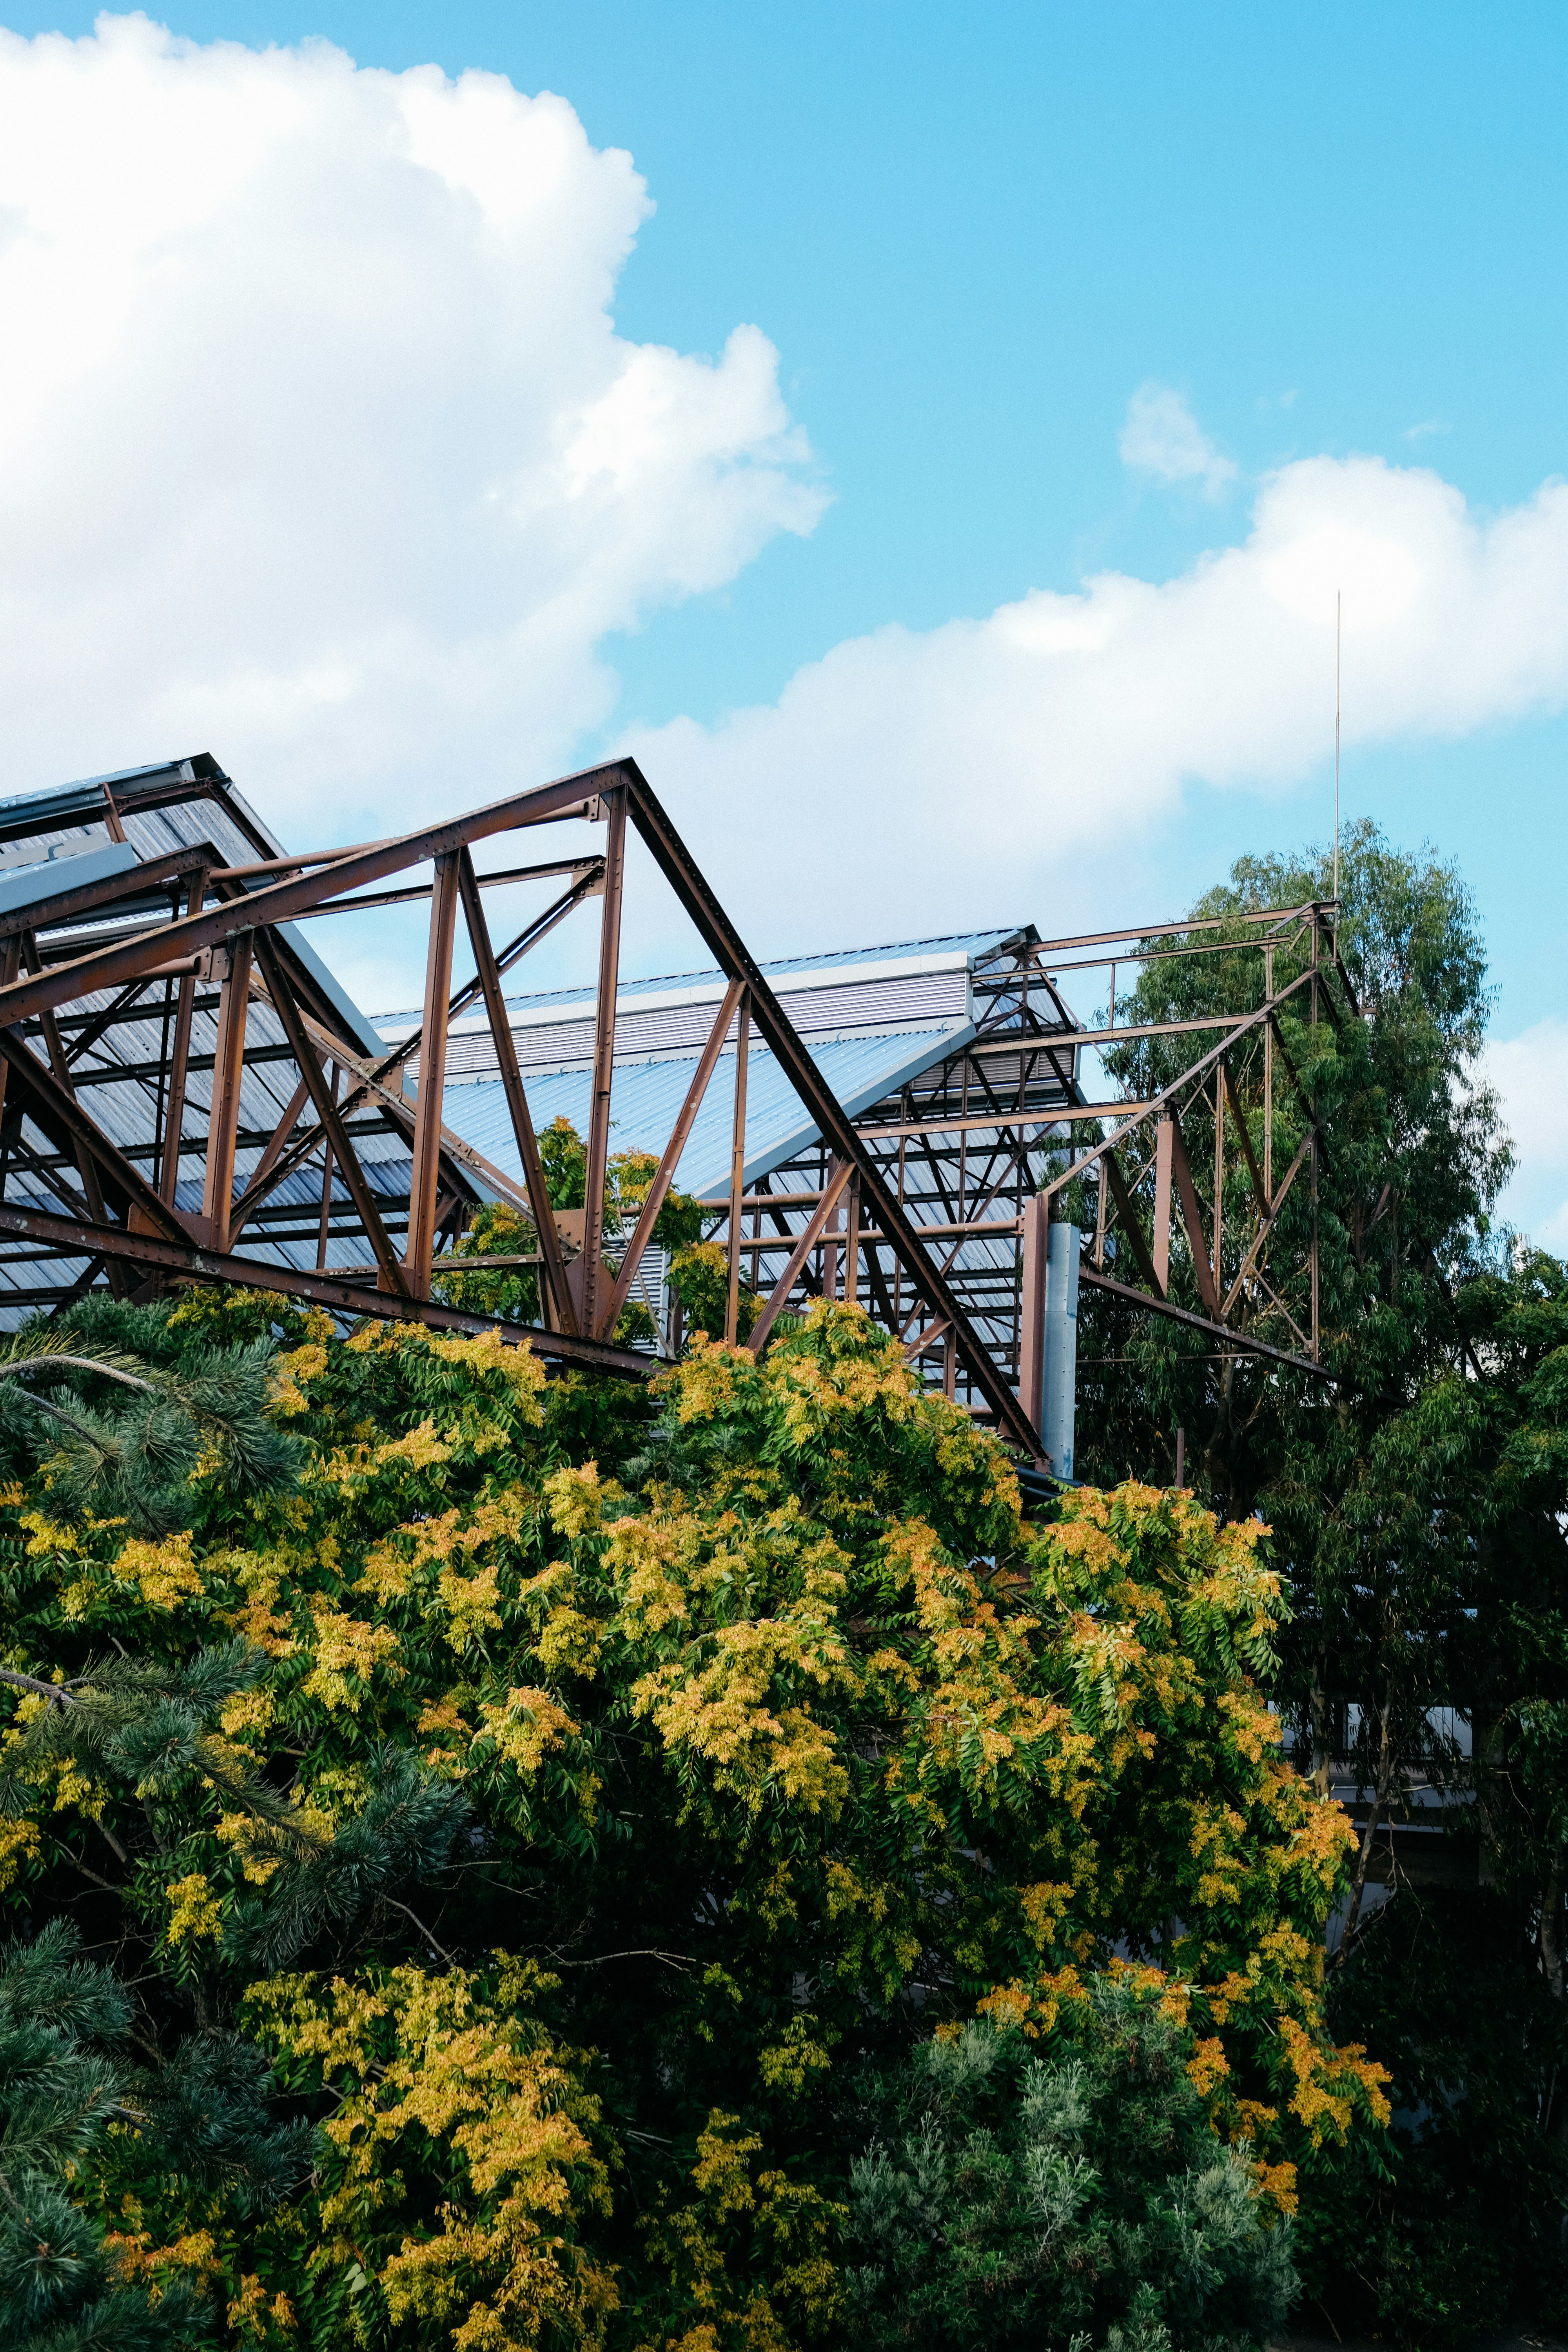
(1418, 1505)
(499, 1230)
(1017, 2197)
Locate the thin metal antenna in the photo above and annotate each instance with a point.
(1338, 600)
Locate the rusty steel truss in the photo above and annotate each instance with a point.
(165, 1019)
(1002, 1132)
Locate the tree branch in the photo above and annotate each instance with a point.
(58, 1691)
(424, 1930)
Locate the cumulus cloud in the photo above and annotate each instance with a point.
(1531, 1074)
(317, 444)
(982, 755)
(1163, 437)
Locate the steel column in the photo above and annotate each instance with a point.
(1032, 1306)
(223, 1126)
(424, 1180)
(852, 1243)
(615, 809)
(1268, 1079)
(1165, 1135)
(737, 1171)
(323, 1231)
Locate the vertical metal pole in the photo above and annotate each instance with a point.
(898, 1262)
(737, 1168)
(160, 1132)
(852, 1248)
(1164, 1140)
(614, 807)
(1059, 1355)
(326, 1185)
(1269, 1082)
(10, 964)
(1100, 1213)
(228, 1068)
(420, 1247)
(1218, 1173)
(10, 960)
(1032, 1308)
(830, 1256)
(175, 1115)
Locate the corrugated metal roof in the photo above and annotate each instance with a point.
(647, 1096)
(814, 981)
(918, 991)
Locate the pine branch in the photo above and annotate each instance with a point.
(61, 1692)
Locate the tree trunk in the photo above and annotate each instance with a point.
(1551, 1926)
(1380, 1796)
(1322, 1760)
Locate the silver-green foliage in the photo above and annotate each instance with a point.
(1077, 2199)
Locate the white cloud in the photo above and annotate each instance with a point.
(1163, 437)
(318, 445)
(930, 779)
(1531, 1074)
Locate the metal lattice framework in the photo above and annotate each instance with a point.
(981, 1148)
(185, 1094)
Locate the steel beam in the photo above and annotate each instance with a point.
(658, 1191)
(805, 1242)
(554, 1266)
(322, 1095)
(76, 1238)
(723, 942)
(109, 968)
(1242, 1343)
(155, 876)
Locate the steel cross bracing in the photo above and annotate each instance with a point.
(1189, 1206)
(185, 1095)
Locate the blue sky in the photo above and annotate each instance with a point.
(971, 236)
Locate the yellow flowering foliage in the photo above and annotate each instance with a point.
(163, 1573)
(756, 1710)
(741, 2222)
(292, 1374)
(452, 2067)
(193, 1910)
(18, 1844)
